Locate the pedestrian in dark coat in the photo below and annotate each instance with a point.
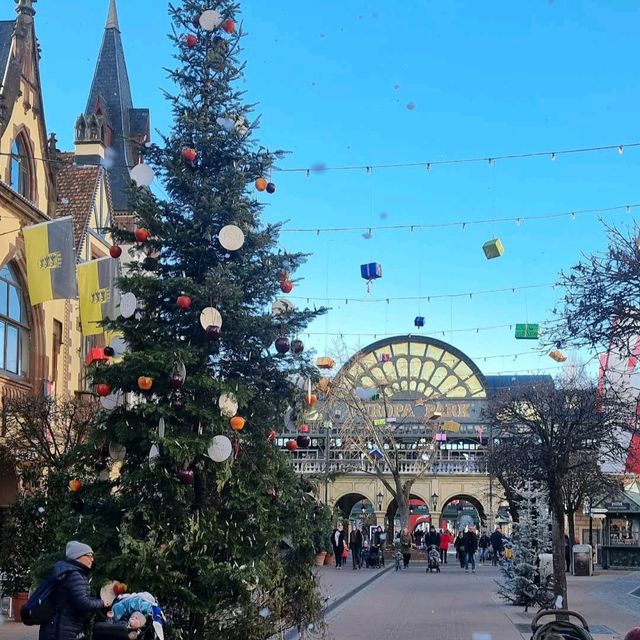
(337, 541)
(497, 545)
(459, 545)
(567, 552)
(73, 602)
(470, 548)
(432, 538)
(355, 544)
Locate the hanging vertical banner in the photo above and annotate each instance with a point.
(98, 294)
(51, 260)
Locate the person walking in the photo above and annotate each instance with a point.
(445, 540)
(567, 552)
(470, 548)
(337, 542)
(406, 541)
(497, 544)
(73, 602)
(417, 536)
(355, 544)
(459, 545)
(483, 544)
(432, 538)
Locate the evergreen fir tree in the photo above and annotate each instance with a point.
(226, 547)
(521, 583)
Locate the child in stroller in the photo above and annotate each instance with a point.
(134, 616)
(433, 559)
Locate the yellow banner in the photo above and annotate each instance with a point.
(90, 298)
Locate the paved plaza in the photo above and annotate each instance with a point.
(374, 604)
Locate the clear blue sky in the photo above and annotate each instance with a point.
(333, 80)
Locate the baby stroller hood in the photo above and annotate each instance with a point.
(563, 628)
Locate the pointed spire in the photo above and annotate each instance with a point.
(112, 19)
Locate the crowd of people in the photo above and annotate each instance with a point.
(366, 547)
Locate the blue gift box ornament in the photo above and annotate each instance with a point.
(419, 321)
(371, 271)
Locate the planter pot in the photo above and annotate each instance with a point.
(320, 557)
(17, 601)
(328, 559)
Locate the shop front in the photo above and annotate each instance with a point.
(621, 532)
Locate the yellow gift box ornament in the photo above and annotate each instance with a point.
(493, 248)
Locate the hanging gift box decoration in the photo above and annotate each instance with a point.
(323, 385)
(384, 357)
(376, 454)
(493, 248)
(370, 272)
(419, 321)
(441, 437)
(451, 426)
(558, 356)
(527, 331)
(325, 363)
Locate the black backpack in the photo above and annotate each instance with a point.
(41, 606)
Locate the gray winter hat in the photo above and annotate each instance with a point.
(76, 550)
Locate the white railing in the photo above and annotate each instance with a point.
(318, 466)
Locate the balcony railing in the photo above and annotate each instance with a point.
(359, 466)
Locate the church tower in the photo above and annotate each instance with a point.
(111, 131)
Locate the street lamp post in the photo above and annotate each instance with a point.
(434, 501)
(379, 499)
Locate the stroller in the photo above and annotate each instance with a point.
(372, 558)
(134, 616)
(433, 559)
(556, 628)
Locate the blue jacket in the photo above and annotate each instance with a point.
(74, 605)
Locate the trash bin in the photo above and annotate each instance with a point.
(582, 560)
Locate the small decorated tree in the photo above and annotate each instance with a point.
(522, 583)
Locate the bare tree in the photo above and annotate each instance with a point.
(40, 432)
(396, 445)
(551, 434)
(600, 307)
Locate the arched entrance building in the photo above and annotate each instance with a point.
(416, 387)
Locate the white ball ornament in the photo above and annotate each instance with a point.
(231, 237)
(220, 449)
(210, 19)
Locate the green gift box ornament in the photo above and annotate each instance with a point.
(493, 248)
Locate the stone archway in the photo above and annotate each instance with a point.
(392, 508)
(345, 503)
(471, 500)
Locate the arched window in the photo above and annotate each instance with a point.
(20, 170)
(14, 328)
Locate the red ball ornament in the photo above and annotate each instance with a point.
(273, 434)
(75, 485)
(304, 428)
(145, 383)
(282, 345)
(185, 476)
(229, 25)
(214, 332)
(115, 251)
(191, 41)
(176, 381)
(103, 389)
(271, 187)
(189, 154)
(292, 445)
(261, 184)
(311, 399)
(286, 286)
(142, 235)
(184, 302)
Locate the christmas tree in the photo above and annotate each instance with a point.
(522, 583)
(184, 493)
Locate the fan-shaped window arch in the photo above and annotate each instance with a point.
(21, 166)
(14, 326)
(415, 365)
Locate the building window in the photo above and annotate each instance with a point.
(14, 328)
(20, 172)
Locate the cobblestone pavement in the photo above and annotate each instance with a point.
(451, 605)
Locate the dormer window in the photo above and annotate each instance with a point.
(20, 168)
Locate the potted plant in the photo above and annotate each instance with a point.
(321, 533)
